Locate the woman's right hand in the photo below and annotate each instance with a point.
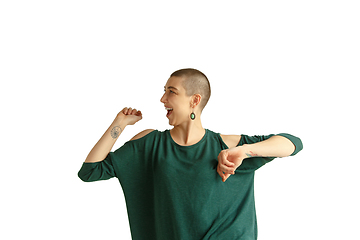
(129, 116)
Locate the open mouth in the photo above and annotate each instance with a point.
(169, 111)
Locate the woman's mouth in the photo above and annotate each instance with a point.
(169, 111)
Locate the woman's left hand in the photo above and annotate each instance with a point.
(228, 161)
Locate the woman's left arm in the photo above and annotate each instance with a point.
(282, 145)
(276, 146)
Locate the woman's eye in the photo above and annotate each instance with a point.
(169, 91)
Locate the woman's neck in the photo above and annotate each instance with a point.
(188, 134)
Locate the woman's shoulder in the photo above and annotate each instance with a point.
(143, 134)
(229, 140)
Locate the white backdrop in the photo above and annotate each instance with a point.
(68, 67)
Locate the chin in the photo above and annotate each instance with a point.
(171, 122)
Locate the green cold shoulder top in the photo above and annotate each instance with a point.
(174, 192)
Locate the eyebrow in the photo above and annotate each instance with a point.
(170, 87)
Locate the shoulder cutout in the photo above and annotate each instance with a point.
(231, 140)
(142, 134)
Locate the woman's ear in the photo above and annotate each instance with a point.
(196, 100)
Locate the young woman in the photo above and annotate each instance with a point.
(187, 182)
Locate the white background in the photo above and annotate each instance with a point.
(68, 67)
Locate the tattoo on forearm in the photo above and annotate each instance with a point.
(115, 132)
(251, 154)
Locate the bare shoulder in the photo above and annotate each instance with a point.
(231, 140)
(142, 134)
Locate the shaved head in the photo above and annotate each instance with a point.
(195, 82)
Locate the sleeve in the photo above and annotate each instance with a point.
(254, 163)
(109, 167)
(91, 172)
(295, 140)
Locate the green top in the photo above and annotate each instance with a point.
(174, 192)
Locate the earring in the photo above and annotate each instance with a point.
(192, 116)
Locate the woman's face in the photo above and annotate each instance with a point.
(176, 102)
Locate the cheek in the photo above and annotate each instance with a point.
(180, 104)
(181, 113)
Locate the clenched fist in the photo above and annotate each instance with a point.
(129, 116)
(229, 160)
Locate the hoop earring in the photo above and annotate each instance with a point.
(192, 116)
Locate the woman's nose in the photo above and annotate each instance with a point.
(162, 99)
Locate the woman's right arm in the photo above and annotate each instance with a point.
(127, 116)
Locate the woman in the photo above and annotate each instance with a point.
(171, 179)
